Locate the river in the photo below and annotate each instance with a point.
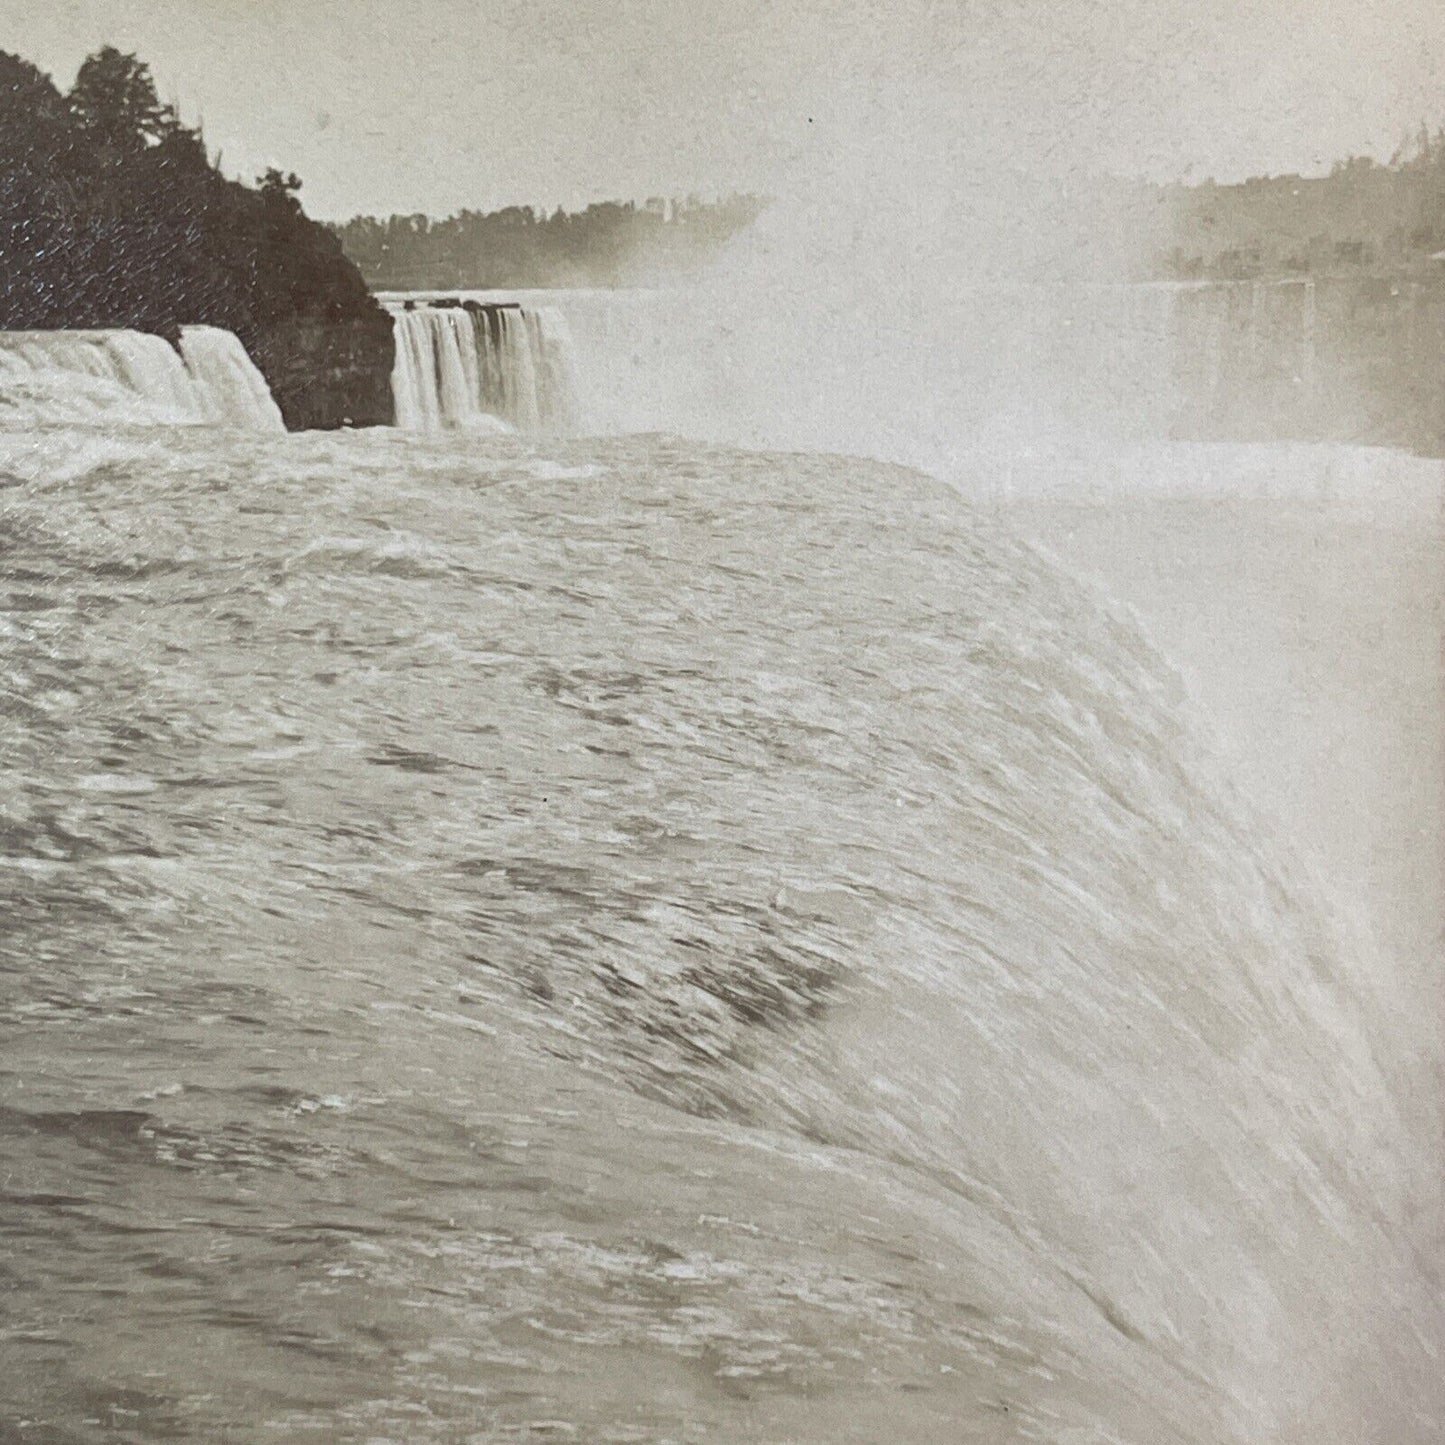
(630, 940)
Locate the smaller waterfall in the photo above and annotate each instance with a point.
(482, 366)
(132, 378)
(230, 389)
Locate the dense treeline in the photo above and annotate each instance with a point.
(608, 244)
(112, 215)
(1365, 215)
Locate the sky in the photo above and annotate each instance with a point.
(436, 105)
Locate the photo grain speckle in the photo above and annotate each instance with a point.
(722, 724)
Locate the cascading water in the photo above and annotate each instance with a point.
(482, 366)
(129, 378)
(94, 376)
(636, 940)
(231, 390)
(985, 371)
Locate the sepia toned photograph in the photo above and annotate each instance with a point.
(722, 723)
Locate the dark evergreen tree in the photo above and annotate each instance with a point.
(112, 215)
(114, 100)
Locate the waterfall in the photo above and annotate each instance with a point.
(413, 376)
(131, 378)
(1331, 358)
(482, 366)
(942, 382)
(231, 391)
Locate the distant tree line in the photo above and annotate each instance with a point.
(1364, 215)
(113, 214)
(607, 244)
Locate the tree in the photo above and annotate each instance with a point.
(280, 189)
(114, 100)
(112, 215)
(36, 142)
(28, 98)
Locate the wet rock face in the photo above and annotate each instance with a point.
(329, 374)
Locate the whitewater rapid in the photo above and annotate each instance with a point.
(637, 940)
(130, 378)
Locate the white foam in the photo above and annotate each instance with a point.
(131, 378)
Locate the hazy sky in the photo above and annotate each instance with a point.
(432, 105)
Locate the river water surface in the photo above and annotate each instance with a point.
(630, 941)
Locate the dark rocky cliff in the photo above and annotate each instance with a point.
(112, 215)
(328, 373)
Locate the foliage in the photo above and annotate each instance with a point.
(112, 214)
(114, 102)
(1365, 215)
(607, 244)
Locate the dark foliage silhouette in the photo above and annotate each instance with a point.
(112, 215)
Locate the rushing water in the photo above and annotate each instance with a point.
(123, 378)
(481, 367)
(932, 376)
(230, 391)
(632, 941)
